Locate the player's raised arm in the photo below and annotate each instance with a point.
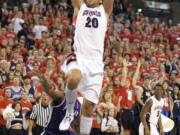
(55, 94)
(108, 6)
(77, 3)
(48, 89)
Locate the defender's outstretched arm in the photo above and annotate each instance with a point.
(55, 94)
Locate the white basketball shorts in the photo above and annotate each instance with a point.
(153, 129)
(92, 77)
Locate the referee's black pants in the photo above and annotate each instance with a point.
(95, 131)
(104, 133)
(3, 130)
(37, 130)
(16, 132)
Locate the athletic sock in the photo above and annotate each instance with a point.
(70, 100)
(86, 125)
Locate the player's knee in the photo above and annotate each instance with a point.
(73, 79)
(88, 108)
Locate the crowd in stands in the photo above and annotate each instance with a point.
(164, 1)
(37, 34)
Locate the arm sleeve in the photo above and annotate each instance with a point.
(21, 21)
(116, 127)
(34, 113)
(34, 29)
(8, 124)
(55, 103)
(24, 123)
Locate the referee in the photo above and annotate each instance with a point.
(39, 116)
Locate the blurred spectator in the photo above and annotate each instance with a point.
(176, 92)
(18, 21)
(19, 123)
(39, 28)
(109, 124)
(24, 31)
(16, 88)
(97, 119)
(3, 72)
(25, 104)
(120, 6)
(29, 89)
(4, 102)
(128, 98)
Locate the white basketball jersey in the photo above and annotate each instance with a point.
(155, 111)
(90, 30)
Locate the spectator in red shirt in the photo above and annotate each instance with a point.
(4, 102)
(128, 98)
(25, 103)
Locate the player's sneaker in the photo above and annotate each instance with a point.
(66, 122)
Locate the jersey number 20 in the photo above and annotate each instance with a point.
(91, 22)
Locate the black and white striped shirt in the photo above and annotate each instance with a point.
(41, 114)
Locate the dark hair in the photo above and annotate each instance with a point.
(26, 77)
(177, 85)
(158, 85)
(4, 90)
(166, 81)
(14, 105)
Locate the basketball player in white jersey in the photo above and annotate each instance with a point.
(151, 114)
(84, 68)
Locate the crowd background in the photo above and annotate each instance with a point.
(37, 34)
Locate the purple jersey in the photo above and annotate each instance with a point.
(57, 115)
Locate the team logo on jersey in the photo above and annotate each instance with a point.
(158, 108)
(92, 13)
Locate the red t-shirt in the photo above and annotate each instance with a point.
(95, 124)
(26, 105)
(172, 38)
(1, 94)
(11, 35)
(2, 38)
(128, 97)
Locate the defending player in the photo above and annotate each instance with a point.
(151, 114)
(84, 68)
(58, 109)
